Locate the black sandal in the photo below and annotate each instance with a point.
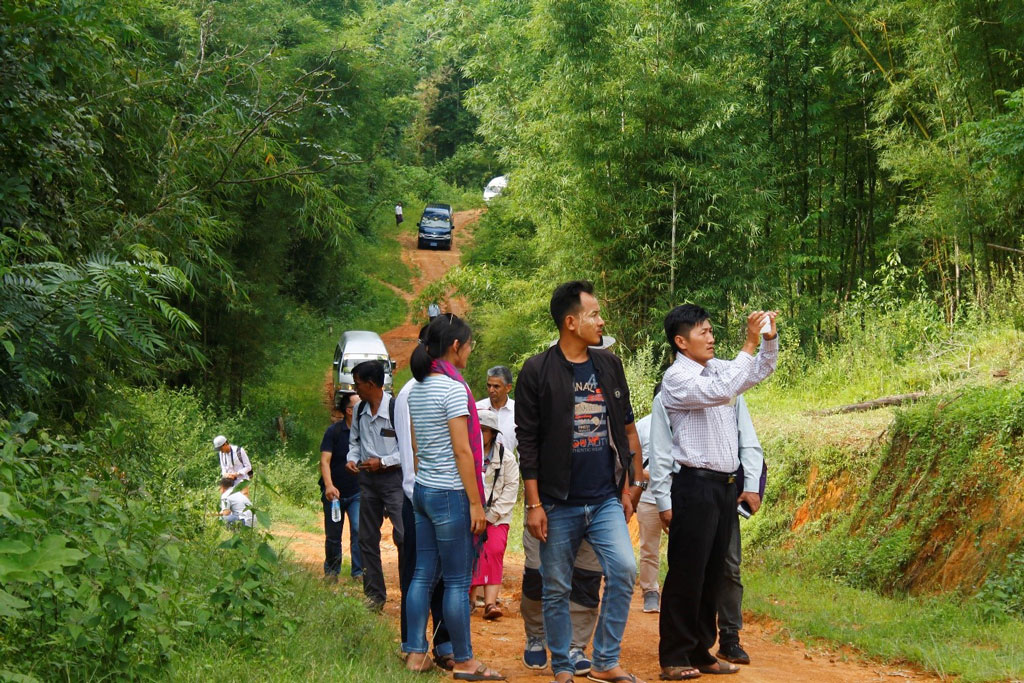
(446, 662)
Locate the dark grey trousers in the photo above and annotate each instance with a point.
(584, 600)
(379, 495)
(730, 593)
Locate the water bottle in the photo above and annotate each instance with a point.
(335, 511)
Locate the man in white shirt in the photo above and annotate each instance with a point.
(398, 213)
(234, 461)
(373, 454)
(499, 385)
(656, 438)
(699, 395)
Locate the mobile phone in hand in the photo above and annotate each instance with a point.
(743, 510)
(766, 326)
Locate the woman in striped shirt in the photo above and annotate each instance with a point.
(448, 496)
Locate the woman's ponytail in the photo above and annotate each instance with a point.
(420, 362)
(435, 340)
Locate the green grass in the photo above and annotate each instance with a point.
(872, 366)
(381, 258)
(937, 634)
(302, 517)
(328, 636)
(295, 385)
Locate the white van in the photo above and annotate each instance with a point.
(494, 187)
(353, 348)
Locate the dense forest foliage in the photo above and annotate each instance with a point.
(191, 190)
(187, 188)
(178, 174)
(810, 157)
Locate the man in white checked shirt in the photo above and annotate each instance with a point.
(699, 393)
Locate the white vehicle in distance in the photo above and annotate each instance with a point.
(353, 348)
(495, 187)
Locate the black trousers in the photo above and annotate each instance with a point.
(379, 495)
(703, 516)
(441, 636)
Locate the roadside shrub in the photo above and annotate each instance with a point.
(867, 560)
(99, 578)
(163, 437)
(295, 481)
(1002, 595)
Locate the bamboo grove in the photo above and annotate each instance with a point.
(788, 154)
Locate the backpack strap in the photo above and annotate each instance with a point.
(391, 410)
(497, 473)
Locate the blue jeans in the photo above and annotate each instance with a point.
(444, 548)
(332, 535)
(442, 641)
(604, 527)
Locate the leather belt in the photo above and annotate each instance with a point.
(384, 470)
(720, 477)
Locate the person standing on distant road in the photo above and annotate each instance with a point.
(373, 455)
(398, 214)
(577, 449)
(234, 461)
(337, 483)
(699, 395)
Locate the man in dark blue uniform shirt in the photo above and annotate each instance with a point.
(337, 483)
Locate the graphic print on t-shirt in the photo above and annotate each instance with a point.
(590, 430)
(593, 470)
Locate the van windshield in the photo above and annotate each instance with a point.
(350, 361)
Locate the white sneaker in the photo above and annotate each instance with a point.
(580, 663)
(535, 656)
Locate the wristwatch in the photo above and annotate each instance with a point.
(641, 484)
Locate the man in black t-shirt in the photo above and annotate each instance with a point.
(580, 459)
(337, 483)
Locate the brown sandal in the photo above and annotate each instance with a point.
(492, 612)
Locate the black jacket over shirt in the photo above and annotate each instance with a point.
(545, 413)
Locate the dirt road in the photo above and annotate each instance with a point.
(430, 266)
(776, 658)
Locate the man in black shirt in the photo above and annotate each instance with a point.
(337, 483)
(578, 448)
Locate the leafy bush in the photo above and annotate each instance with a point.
(102, 579)
(867, 560)
(295, 481)
(1002, 594)
(164, 438)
